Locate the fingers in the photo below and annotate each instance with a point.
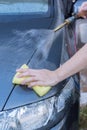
(32, 81)
(84, 6)
(36, 83)
(21, 70)
(33, 77)
(23, 74)
(28, 80)
(27, 72)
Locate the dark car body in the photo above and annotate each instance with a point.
(17, 28)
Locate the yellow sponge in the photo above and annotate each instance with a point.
(40, 90)
(17, 80)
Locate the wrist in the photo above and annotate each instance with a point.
(59, 75)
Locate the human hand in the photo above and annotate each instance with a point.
(42, 77)
(83, 10)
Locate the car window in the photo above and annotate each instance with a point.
(23, 6)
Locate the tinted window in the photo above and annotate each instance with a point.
(23, 6)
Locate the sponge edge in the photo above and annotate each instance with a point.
(39, 90)
(17, 80)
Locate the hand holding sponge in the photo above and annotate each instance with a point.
(40, 90)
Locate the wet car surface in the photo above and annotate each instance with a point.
(27, 40)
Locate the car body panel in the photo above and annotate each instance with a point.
(12, 28)
(12, 56)
(51, 60)
(17, 49)
(12, 53)
(22, 96)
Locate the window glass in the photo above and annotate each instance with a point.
(23, 6)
